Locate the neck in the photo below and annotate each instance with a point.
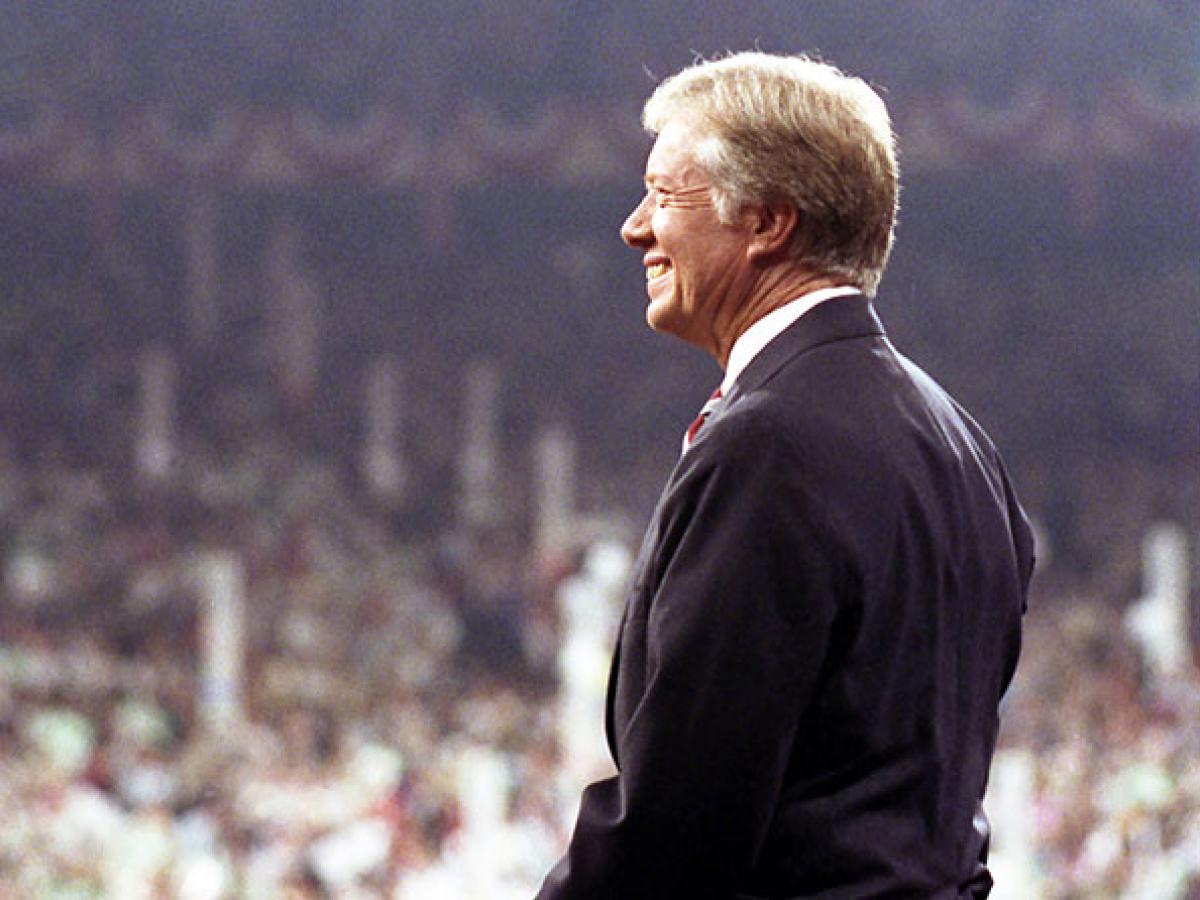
(773, 294)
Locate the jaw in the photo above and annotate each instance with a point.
(669, 313)
(662, 300)
(708, 323)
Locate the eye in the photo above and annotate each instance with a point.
(657, 197)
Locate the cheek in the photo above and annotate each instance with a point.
(670, 224)
(660, 226)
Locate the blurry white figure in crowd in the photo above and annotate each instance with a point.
(220, 580)
(497, 853)
(202, 869)
(361, 843)
(382, 461)
(62, 739)
(472, 860)
(433, 883)
(343, 856)
(479, 454)
(140, 851)
(554, 486)
(1010, 807)
(483, 781)
(157, 381)
(84, 825)
(1158, 621)
(202, 877)
(294, 319)
(589, 606)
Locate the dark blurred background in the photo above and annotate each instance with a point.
(220, 224)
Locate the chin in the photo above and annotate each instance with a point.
(661, 315)
(668, 318)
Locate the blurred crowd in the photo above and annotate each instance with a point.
(399, 727)
(1105, 757)
(385, 682)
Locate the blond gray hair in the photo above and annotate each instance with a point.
(791, 128)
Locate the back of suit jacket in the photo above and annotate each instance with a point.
(824, 616)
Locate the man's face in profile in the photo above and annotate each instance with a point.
(695, 264)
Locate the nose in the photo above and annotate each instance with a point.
(635, 230)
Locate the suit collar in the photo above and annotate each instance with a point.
(751, 342)
(836, 320)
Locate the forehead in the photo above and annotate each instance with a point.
(671, 159)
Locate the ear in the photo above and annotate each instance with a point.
(774, 225)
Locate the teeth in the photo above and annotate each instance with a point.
(656, 270)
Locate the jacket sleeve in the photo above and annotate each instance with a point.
(737, 608)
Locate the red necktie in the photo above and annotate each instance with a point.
(705, 411)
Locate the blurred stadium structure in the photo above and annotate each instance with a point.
(328, 419)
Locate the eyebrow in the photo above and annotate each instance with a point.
(697, 196)
(669, 185)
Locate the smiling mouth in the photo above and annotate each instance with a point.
(656, 271)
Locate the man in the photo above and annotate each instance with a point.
(827, 605)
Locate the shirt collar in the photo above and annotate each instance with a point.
(770, 326)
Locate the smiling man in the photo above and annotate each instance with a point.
(826, 609)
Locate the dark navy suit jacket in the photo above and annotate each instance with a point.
(824, 615)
